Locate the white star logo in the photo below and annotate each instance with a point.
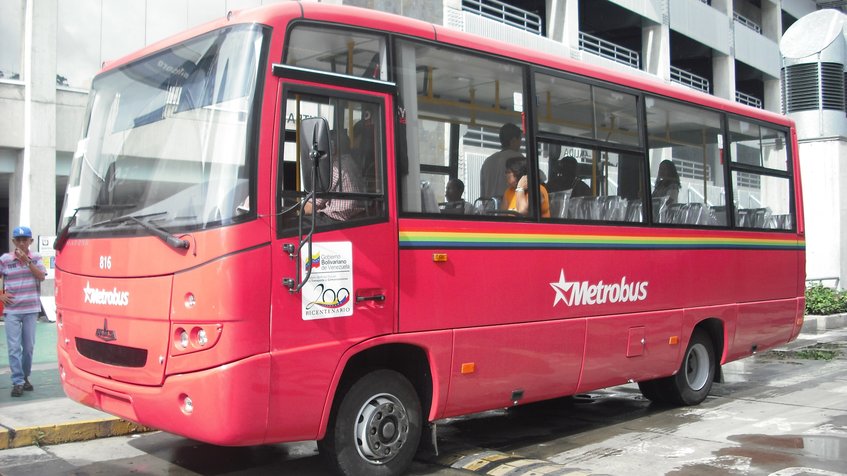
(561, 287)
(89, 292)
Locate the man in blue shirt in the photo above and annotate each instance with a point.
(21, 271)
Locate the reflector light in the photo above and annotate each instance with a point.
(468, 368)
(187, 404)
(439, 257)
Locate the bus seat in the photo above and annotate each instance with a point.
(718, 215)
(596, 208)
(428, 203)
(559, 203)
(742, 217)
(486, 205)
(614, 208)
(575, 209)
(659, 209)
(780, 222)
(761, 217)
(694, 214)
(635, 211)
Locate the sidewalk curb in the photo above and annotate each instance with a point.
(67, 432)
(814, 324)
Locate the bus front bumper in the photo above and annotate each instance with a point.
(225, 405)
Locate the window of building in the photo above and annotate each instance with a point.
(11, 37)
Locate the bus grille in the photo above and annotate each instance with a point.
(111, 354)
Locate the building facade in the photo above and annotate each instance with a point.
(50, 50)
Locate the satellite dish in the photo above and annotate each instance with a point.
(812, 33)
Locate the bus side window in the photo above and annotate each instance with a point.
(686, 165)
(592, 184)
(354, 193)
(455, 104)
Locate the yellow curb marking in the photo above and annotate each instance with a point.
(67, 432)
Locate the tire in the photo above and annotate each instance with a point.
(692, 382)
(376, 427)
(654, 390)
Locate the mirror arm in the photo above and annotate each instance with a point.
(307, 240)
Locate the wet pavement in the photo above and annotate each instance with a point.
(780, 413)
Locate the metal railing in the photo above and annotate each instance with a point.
(609, 50)
(748, 23)
(691, 80)
(749, 100)
(504, 13)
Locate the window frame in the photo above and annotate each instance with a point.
(733, 165)
(453, 165)
(284, 136)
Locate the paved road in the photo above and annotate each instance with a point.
(778, 413)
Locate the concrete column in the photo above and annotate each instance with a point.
(773, 95)
(656, 50)
(825, 206)
(771, 20)
(723, 76)
(32, 199)
(724, 6)
(563, 22)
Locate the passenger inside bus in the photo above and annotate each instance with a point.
(667, 182)
(516, 197)
(569, 177)
(346, 178)
(491, 179)
(455, 204)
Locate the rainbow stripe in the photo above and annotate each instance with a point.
(422, 239)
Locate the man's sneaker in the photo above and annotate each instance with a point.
(18, 391)
(28, 386)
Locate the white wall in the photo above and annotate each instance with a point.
(825, 206)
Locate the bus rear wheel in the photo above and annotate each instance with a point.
(376, 427)
(693, 380)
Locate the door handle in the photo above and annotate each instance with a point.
(375, 297)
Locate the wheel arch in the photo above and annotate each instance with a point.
(715, 329)
(410, 360)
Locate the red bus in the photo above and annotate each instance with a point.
(258, 242)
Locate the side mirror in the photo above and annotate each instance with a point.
(315, 155)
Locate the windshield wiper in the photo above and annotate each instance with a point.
(64, 233)
(156, 231)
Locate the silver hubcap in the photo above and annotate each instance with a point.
(697, 367)
(382, 428)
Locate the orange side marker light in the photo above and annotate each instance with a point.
(468, 368)
(439, 257)
(673, 340)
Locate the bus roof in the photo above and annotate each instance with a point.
(282, 13)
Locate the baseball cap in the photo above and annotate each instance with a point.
(22, 231)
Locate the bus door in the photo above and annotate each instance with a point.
(334, 284)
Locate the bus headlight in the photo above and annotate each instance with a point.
(202, 339)
(189, 337)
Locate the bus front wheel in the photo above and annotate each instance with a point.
(376, 427)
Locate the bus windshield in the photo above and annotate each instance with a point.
(167, 139)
